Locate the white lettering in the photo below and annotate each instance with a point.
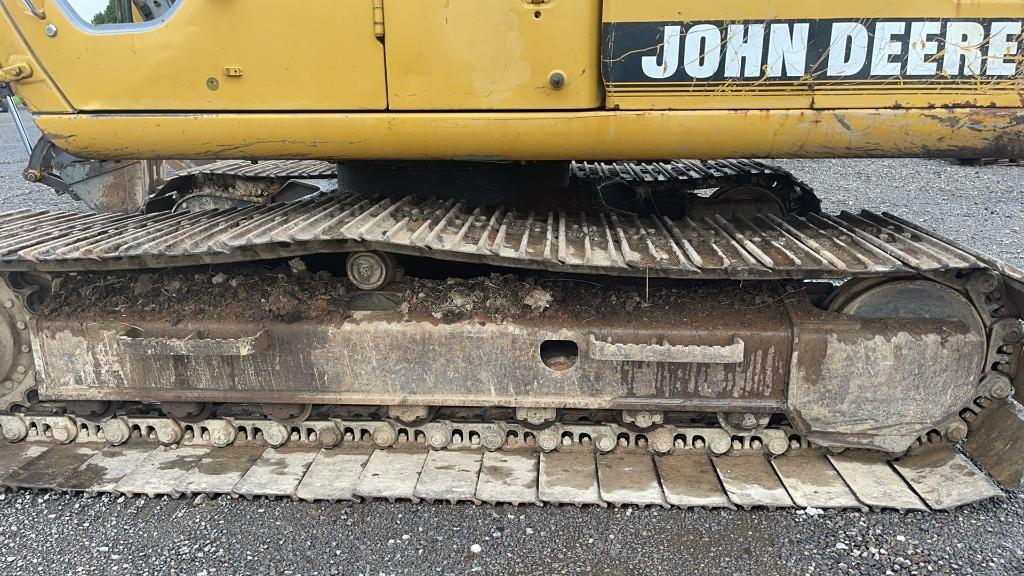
(787, 51)
(963, 45)
(703, 50)
(849, 37)
(885, 48)
(1002, 53)
(920, 56)
(669, 56)
(743, 57)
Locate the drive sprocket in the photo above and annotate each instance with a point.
(17, 367)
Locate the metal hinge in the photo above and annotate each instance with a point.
(378, 19)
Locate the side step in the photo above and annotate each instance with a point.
(939, 478)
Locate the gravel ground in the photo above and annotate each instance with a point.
(59, 534)
(15, 192)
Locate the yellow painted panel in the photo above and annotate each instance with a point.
(37, 92)
(965, 132)
(492, 54)
(310, 55)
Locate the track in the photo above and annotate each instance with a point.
(502, 462)
(480, 463)
(763, 247)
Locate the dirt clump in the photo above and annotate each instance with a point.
(290, 292)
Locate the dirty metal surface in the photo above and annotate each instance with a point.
(422, 362)
(450, 475)
(392, 474)
(333, 475)
(996, 441)
(764, 246)
(629, 477)
(704, 357)
(569, 478)
(751, 482)
(945, 478)
(160, 471)
(103, 471)
(12, 456)
(508, 477)
(576, 475)
(812, 481)
(46, 471)
(689, 480)
(277, 472)
(218, 473)
(874, 482)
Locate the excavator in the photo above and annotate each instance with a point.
(502, 251)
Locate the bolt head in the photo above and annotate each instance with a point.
(547, 442)
(605, 443)
(219, 437)
(50, 30)
(956, 432)
(168, 435)
(61, 434)
(778, 446)
(720, 446)
(438, 440)
(987, 281)
(329, 437)
(492, 439)
(662, 441)
(384, 437)
(1001, 389)
(115, 431)
(557, 80)
(15, 429)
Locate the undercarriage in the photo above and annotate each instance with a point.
(620, 338)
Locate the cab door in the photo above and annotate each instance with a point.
(223, 55)
(493, 54)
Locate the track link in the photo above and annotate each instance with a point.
(494, 463)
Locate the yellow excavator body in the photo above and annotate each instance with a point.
(524, 79)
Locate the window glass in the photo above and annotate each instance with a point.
(108, 12)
